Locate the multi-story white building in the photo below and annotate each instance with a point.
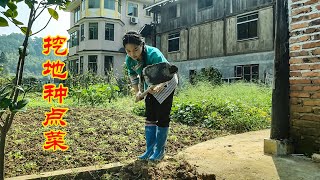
(97, 28)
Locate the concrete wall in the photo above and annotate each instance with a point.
(264, 42)
(226, 64)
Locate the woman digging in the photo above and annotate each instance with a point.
(158, 101)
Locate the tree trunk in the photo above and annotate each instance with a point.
(2, 145)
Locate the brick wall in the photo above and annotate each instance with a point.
(304, 44)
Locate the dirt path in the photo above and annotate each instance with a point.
(241, 157)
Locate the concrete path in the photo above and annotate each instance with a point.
(241, 157)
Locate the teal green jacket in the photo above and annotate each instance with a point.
(152, 56)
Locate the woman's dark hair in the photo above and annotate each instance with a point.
(132, 37)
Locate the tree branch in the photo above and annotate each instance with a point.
(11, 20)
(45, 25)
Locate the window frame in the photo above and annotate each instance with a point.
(81, 65)
(243, 74)
(105, 32)
(97, 34)
(247, 21)
(114, 5)
(99, 4)
(111, 64)
(172, 39)
(76, 15)
(95, 71)
(129, 2)
(82, 32)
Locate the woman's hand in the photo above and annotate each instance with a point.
(138, 97)
(157, 88)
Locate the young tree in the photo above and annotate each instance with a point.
(9, 93)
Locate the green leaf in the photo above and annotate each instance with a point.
(5, 103)
(24, 30)
(16, 22)
(3, 3)
(3, 22)
(8, 13)
(12, 6)
(4, 95)
(14, 14)
(53, 13)
(20, 88)
(20, 106)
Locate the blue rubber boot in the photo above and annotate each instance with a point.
(162, 134)
(150, 133)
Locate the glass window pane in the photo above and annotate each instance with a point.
(94, 3)
(109, 4)
(252, 29)
(242, 31)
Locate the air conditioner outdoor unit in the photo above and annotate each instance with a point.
(133, 20)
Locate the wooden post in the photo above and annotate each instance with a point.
(280, 93)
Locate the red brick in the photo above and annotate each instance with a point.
(299, 26)
(312, 117)
(315, 81)
(311, 74)
(299, 67)
(316, 110)
(295, 115)
(311, 102)
(311, 60)
(311, 2)
(295, 48)
(296, 0)
(299, 94)
(314, 66)
(295, 60)
(304, 123)
(296, 5)
(318, 7)
(311, 88)
(316, 52)
(312, 30)
(295, 101)
(315, 95)
(295, 74)
(301, 53)
(315, 22)
(300, 11)
(296, 88)
(298, 108)
(316, 37)
(310, 45)
(314, 16)
(300, 81)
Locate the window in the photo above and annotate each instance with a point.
(173, 42)
(83, 5)
(93, 30)
(76, 14)
(148, 13)
(109, 4)
(94, 3)
(82, 32)
(74, 66)
(192, 76)
(74, 37)
(81, 64)
(119, 6)
(174, 11)
(132, 9)
(92, 64)
(108, 64)
(247, 26)
(247, 72)
(109, 32)
(204, 3)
